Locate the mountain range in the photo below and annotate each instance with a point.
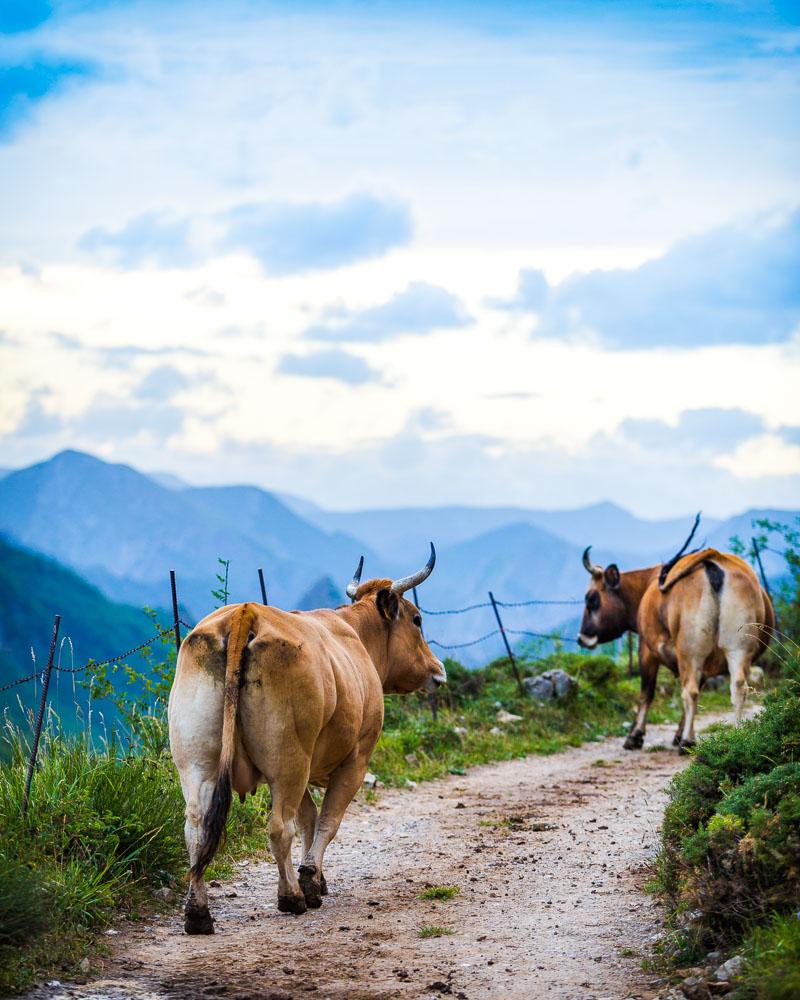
(122, 531)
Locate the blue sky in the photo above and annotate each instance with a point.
(497, 253)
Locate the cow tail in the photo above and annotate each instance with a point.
(216, 817)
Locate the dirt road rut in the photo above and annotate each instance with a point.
(548, 854)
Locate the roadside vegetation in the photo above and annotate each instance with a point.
(103, 837)
(729, 866)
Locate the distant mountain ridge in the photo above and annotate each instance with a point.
(123, 530)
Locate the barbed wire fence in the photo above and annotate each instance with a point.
(51, 666)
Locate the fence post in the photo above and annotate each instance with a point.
(40, 717)
(175, 617)
(263, 587)
(433, 700)
(507, 644)
(631, 671)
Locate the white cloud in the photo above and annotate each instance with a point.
(765, 455)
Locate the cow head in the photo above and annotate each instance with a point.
(394, 625)
(604, 615)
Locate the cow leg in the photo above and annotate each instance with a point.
(690, 671)
(648, 670)
(286, 800)
(739, 667)
(307, 820)
(198, 791)
(676, 739)
(343, 784)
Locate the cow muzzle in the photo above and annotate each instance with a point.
(587, 641)
(436, 680)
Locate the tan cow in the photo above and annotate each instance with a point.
(699, 615)
(290, 699)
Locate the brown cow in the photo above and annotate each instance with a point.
(290, 699)
(699, 615)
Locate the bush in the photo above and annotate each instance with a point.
(731, 835)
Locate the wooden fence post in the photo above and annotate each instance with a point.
(175, 617)
(507, 644)
(40, 717)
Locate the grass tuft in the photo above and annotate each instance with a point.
(434, 931)
(440, 892)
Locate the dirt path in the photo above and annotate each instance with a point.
(548, 853)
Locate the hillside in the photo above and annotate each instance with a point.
(123, 532)
(33, 589)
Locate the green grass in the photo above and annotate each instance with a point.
(440, 892)
(434, 931)
(772, 961)
(104, 831)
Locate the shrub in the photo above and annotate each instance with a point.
(772, 961)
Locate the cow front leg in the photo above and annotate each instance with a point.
(648, 670)
(342, 787)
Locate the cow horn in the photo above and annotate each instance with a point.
(407, 582)
(352, 587)
(590, 567)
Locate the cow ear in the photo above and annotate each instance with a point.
(611, 576)
(388, 604)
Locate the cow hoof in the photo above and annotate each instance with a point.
(634, 741)
(686, 746)
(292, 904)
(197, 920)
(323, 885)
(312, 886)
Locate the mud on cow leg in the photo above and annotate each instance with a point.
(312, 882)
(196, 918)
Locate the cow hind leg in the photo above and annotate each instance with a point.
(690, 673)
(676, 739)
(342, 787)
(197, 918)
(739, 667)
(307, 820)
(286, 800)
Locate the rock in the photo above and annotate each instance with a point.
(563, 683)
(111, 932)
(85, 966)
(504, 718)
(551, 684)
(716, 683)
(729, 970)
(539, 688)
(412, 759)
(164, 893)
(496, 731)
(756, 678)
(460, 731)
(372, 781)
(410, 783)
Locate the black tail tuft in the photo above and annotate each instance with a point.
(214, 823)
